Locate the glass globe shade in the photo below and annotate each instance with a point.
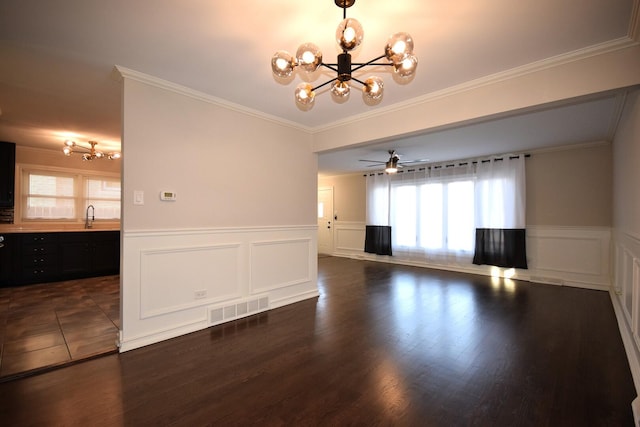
(340, 89)
(373, 88)
(309, 57)
(282, 63)
(406, 67)
(398, 47)
(349, 34)
(304, 94)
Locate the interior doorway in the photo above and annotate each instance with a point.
(325, 220)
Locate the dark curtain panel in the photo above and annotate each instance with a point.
(378, 239)
(501, 247)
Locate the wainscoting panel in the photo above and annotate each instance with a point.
(625, 295)
(175, 281)
(280, 263)
(573, 256)
(349, 237)
(206, 275)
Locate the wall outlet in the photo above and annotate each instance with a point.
(202, 293)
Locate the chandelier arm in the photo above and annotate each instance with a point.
(325, 83)
(80, 149)
(330, 66)
(364, 64)
(360, 64)
(359, 81)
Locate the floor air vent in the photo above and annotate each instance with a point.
(225, 313)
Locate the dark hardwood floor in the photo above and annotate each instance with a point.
(382, 345)
(53, 324)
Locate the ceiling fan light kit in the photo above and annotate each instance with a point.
(88, 154)
(392, 165)
(349, 35)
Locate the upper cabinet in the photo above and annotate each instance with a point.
(7, 173)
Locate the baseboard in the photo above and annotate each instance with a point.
(158, 336)
(276, 303)
(155, 337)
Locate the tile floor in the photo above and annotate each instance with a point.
(53, 324)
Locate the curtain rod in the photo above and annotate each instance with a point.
(450, 165)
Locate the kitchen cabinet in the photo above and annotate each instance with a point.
(8, 261)
(39, 257)
(106, 253)
(7, 173)
(90, 253)
(48, 257)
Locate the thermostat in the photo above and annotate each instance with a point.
(168, 195)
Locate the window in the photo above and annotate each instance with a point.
(49, 196)
(437, 212)
(104, 195)
(436, 217)
(64, 196)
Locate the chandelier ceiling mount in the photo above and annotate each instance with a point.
(349, 35)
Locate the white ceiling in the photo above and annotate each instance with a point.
(57, 57)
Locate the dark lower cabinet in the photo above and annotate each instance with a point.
(106, 254)
(10, 265)
(38, 253)
(85, 254)
(48, 257)
(75, 254)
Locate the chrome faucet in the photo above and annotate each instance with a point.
(88, 223)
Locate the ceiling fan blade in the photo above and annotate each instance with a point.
(373, 161)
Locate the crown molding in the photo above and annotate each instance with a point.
(552, 62)
(120, 73)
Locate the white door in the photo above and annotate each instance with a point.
(325, 220)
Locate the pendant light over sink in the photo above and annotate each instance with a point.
(349, 35)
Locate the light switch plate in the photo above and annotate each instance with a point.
(138, 197)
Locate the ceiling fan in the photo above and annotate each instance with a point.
(393, 164)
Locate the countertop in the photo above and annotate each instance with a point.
(56, 228)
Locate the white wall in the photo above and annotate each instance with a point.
(626, 230)
(241, 236)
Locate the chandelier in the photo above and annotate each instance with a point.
(398, 52)
(71, 147)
